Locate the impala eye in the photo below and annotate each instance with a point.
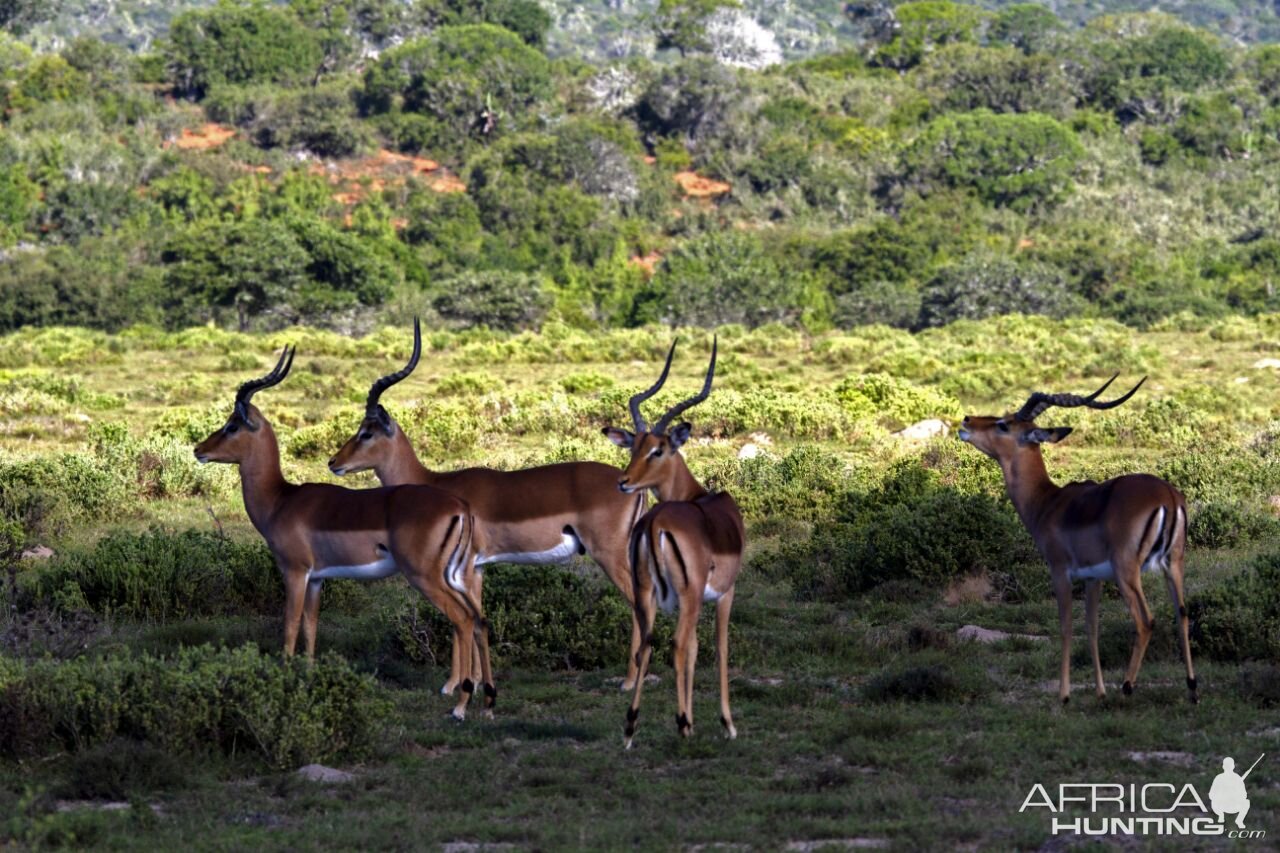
(655, 453)
(232, 427)
(365, 436)
(1002, 426)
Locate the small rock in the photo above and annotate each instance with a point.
(748, 451)
(327, 775)
(1242, 380)
(40, 552)
(761, 438)
(1264, 363)
(837, 844)
(988, 635)
(924, 430)
(1182, 759)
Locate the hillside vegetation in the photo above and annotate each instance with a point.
(343, 164)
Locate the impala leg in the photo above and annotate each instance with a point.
(1092, 597)
(723, 606)
(685, 658)
(617, 568)
(1173, 577)
(1136, 601)
(1062, 591)
(642, 664)
(454, 667)
(295, 593)
(480, 665)
(311, 617)
(447, 601)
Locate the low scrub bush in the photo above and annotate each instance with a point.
(541, 617)
(935, 683)
(235, 700)
(160, 575)
(1239, 619)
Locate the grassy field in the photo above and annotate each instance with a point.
(863, 719)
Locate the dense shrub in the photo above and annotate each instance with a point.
(936, 683)
(1239, 619)
(201, 699)
(541, 617)
(500, 300)
(160, 575)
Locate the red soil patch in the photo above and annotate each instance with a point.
(356, 179)
(203, 138)
(648, 263)
(696, 186)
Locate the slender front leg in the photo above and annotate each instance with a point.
(723, 606)
(295, 593)
(1062, 591)
(452, 684)
(311, 617)
(1092, 597)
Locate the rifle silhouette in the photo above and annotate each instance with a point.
(1251, 766)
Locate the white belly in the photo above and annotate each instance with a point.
(1106, 572)
(569, 545)
(384, 568)
(710, 593)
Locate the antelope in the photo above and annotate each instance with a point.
(318, 531)
(685, 551)
(541, 516)
(1091, 531)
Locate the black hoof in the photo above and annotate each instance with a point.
(1127, 687)
(1066, 700)
(467, 686)
(1191, 685)
(490, 695)
(724, 722)
(683, 725)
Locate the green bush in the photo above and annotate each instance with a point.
(1239, 619)
(541, 617)
(201, 699)
(160, 575)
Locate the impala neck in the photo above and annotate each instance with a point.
(681, 485)
(401, 466)
(1028, 485)
(261, 481)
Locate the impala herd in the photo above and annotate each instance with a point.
(439, 529)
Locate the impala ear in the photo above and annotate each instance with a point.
(1052, 435)
(620, 437)
(242, 410)
(679, 434)
(383, 419)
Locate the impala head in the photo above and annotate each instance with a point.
(371, 443)
(655, 451)
(234, 440)
(1004, 437)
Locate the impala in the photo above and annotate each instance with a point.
(542, 515)
(1091, 531)
(318, 531)
(685, 551)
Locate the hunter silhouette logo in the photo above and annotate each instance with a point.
(1150, 808)
(1228, 795)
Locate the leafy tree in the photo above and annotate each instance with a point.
(682, 24)
(924, 26)
(1029, 27)
(18, 197)
(984, 285)
(464, 82)
(728, 277)
(698, 100)
(240, 42)
(1004, 80)
(498, 299)
(1009, 160)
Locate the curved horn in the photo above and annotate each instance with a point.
(679, 408)
(634, 403)
(390, 379)
(246, 391)
(1038, 402)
